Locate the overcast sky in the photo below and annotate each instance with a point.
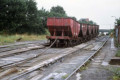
(100, 11)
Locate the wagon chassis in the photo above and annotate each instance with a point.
(65, 41)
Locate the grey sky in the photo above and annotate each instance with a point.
(100, 11)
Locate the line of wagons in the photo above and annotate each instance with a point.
(68, 32)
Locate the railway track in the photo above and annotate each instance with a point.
(14, 57)
(65, 70)
(20, 45)
(17, 59)
(89, 58)
(36, 66)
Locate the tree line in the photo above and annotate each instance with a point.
(117, 22)
(22, 16)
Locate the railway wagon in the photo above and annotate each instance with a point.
(89, 31)
(69, 32)
(97, 30)
(65, 30)
(83, 32)
(94, 31)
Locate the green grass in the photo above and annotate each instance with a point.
(83, 68)
(7, 39)
(118, 53)
(116, 43)
(116, 73)
(65, 76)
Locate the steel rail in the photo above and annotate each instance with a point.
(16, 48)
(25, 60)
(27, 72)
(85, 61)
(16, 44)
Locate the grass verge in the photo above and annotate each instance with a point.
(7, 39)
(118, 53)
(116, 73)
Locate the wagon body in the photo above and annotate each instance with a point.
(63, 28)
(83, 30)
(89, 29)
(68, 32)
(97, 29)
(94, 29)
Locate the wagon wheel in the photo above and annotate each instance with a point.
(66, 43)
(88, 37)
(57, 43)
(50, 42)
(80, 41)
(76, 42)
(70, 43)
(85, 39)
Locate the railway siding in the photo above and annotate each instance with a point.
(78, 56)
(67, 68)
(49, 61)
(22, 43)
(5, 54)
(69, 59)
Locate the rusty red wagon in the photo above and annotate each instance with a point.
(83, 32)
(65, 30)
(69, 32)
(89, 31)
